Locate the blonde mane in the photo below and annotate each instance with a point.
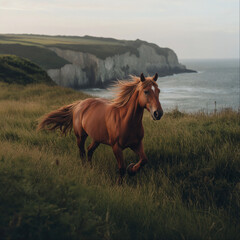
(125, 89)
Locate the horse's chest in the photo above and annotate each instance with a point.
(131, 137)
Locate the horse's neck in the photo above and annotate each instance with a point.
(133, 113)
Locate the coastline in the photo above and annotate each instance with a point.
(215, 81)
(105, 85)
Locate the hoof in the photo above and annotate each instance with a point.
(130, 171)
(120, 181)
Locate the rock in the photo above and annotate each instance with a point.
(87, 70)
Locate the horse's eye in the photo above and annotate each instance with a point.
(146, 92)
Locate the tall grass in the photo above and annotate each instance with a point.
(189, 190)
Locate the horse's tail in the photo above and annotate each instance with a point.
(61, 118)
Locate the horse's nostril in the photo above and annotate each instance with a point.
(158, 114)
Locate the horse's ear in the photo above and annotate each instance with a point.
(142, 77)
(155, 77)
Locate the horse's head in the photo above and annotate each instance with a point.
(149, 96)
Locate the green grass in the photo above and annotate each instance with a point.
(37, 40)
(14, 69)
(39, 55)
(189, 190)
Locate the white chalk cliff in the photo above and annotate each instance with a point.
(87, 70)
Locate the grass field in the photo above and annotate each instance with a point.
(189, 190)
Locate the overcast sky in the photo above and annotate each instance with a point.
(192, 28)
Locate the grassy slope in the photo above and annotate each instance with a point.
(23, 45)
(41, 56)
(14, 69)
(189, 190)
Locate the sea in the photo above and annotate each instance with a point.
(214, 87)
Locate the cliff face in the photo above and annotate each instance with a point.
(87, 70)
(87, 61)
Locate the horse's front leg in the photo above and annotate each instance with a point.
(121, 164)
(134, 168)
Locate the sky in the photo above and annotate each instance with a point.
(192, 28)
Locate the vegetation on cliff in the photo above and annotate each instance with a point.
(189, 190)
(14, 69)
(41, 56)
(37, 47)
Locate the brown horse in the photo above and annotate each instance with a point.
(116, 122)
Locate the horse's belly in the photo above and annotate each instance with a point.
(94, 124)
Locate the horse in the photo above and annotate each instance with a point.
(116, 122)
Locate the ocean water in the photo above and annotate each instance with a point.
(215, 85)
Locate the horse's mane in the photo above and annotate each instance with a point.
(125, 89)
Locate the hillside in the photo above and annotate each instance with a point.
(14, 69)
(189, 190)
(91, 61)
(41, 56)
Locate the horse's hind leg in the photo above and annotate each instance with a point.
(91, 148)
(81, 145)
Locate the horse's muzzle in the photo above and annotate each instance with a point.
(158, 114)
